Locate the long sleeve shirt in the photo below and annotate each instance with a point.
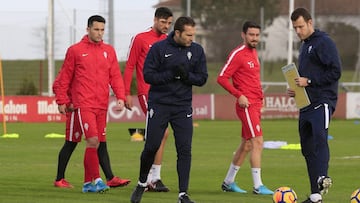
(139, 47)
(319, 61)
(162, 58)
(241, 74)
(89, 70)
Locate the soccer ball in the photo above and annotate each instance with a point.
(355, 196)
(284, 195)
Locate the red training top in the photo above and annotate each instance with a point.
(243, 67)
(89, 69)
(139, 47)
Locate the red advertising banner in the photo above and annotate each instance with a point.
(135, 114)
(206, 106)
(276, 105)
(203, 106)
(225, 107)
(279, 106)
(202, 109)
(30, 109)
(282, 106)
(45, 109)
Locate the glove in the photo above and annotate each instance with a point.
(181, 72)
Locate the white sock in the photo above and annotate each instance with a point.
(231, 174)
(181, 194)
(142, 184)
(316, 197)
(97, 180)
(149, 178)
(256, 174)
(156, 169)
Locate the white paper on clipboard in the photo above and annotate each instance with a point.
(301, 97)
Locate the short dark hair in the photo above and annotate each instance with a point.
(300, 12)
(250, 24)
(182, 21)
(163, 12)
(95, 18)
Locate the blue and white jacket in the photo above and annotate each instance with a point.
(160, 61)
(320, 62)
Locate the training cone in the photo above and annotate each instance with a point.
(137, 134)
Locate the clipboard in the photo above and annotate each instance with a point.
(301, 97)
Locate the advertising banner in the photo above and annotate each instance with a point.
(279, 105)
(30, 109)
(45, 109)
(202, 109)
(205, 106)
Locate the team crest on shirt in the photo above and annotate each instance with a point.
(86, 126)
(189, 55)
(77, 135)
(258, 128)
(251, 64)
(105, 54)
(104, 132)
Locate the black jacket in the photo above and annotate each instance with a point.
(159, 67)
(319, 61)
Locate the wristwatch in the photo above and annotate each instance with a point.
(309, 81)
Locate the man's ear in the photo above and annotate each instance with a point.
(310, 22)
(243, 35)
(177, 32)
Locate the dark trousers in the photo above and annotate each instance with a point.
(313, 128)
(180, 119)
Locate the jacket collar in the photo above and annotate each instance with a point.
(171, 40)
(88, 41)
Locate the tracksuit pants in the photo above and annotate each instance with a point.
(313, 129)
(180, 120)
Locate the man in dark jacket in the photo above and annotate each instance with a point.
(172, 67)
(320, 71)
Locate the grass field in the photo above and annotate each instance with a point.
(28, 164)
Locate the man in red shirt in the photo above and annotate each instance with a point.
(89, 69)
(73, 135)
(243, 68)
(139, 48)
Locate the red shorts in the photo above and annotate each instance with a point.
(143, 102)
(250, 119)
(73, 131)
(93, 122)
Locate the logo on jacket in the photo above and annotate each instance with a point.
(168, 55)
(189, 55)
(309, 49)
(86, 126)
(258, 128)
(77, 135)
(105, 54)
(251, 64)
(85, 54)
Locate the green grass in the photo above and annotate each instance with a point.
(28, 164)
